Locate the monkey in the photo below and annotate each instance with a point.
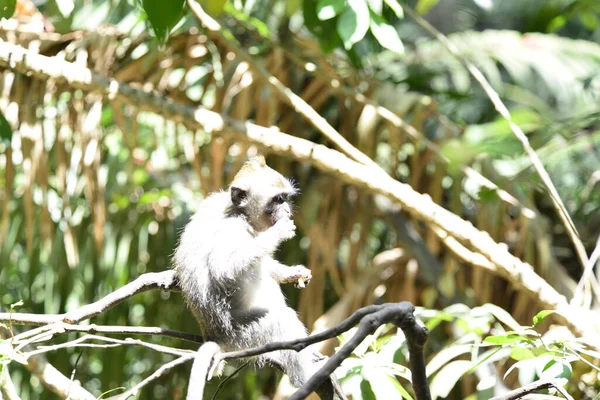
(229, 278)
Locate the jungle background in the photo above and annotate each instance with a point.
(94, 190)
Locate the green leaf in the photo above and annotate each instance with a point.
(366, 391)
(396, 8)
(503, 316)
(506, 339)
(353, 24)
(423, 6)
(541, 315)
(445, 380)
(163, 16)
(386, 35)
(327, 9)
(7, 8)
(381, 384)
(556, 368)
(5, 348)
(589, 20)
(521, 353)
(292, 6)
(444, 356)
(213, 7)
(5, 130)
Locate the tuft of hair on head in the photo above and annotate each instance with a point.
(252, 165)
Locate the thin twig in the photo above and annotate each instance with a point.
(503, 111)
(227, 379)
(80, 342)
(587, 274)
(156, 374)
(165, 280)
(73, 374)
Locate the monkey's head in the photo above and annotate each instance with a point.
(261, 194)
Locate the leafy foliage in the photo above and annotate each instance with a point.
(7, 8)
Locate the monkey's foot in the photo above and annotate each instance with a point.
(316, 357)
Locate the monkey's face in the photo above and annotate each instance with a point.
(263, 196)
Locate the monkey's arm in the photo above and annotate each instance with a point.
(287, 274)
(239, 249)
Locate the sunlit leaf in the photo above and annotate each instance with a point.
(503, 316)
(353, 23)
(5, 348)
(541, 315)
(445, 355)
(505, 339)
(555, 368)
(395, 6)
(446, 379)
(65, 7)
(521, 353)
(386, 35)
(292, 6)
(423, 6)
(213, 7)
(327, 9)
(163, 15)
(381, 384)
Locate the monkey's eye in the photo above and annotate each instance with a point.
(280, 198)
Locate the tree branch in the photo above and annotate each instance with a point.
(420, 206)
(55, 381)
(7, 388)
(165, 280)
(531, 388)
(400, 314)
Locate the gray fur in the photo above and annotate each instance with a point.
(231, 281)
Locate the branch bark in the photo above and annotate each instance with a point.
(331, 161)
(165, 280)
(531, 388)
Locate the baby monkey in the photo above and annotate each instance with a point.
(225, 265)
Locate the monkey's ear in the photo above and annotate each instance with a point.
(238, 195)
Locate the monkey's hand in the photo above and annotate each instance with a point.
(301, 275)
(284, 229)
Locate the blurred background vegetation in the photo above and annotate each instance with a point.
(94, 192)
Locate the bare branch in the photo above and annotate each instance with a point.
(165, 280)
(59, 328)
(587, 274)
(531, 388)
(503, 111)
(7, 388)
(55, 381)
(401, 314)
(81, 342)
(157, 374)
